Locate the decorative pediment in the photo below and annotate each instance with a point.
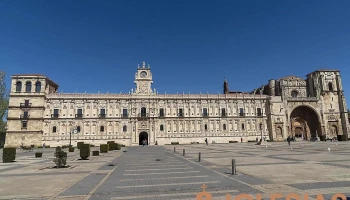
(291, 78)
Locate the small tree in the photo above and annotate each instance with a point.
(61, 157)
(4, 101)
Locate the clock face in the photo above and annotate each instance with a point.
(143, 74)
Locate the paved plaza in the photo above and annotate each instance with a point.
(155, 172)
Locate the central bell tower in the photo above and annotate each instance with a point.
(143, 80)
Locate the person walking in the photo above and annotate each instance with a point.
(288, 140)
(206, 141)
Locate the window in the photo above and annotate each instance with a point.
(223, 112)
(25, 114)
(242, 126)
(102, 128)
(79, 113)
(205, 111)
(294, 93)
(330, 86)
(24, 125)
(54, 129)
(38, 86)
(102, 112)
(19, 86)
(28, 86)
(181, 114)
(55, 113)
(124, 128)
(125, 112)
(26, 102)
(161, 112)
(143, 112)
(224, 127)
(78, 129)
(241, 112)
(259, 112)
(205, 127)
(161, 128)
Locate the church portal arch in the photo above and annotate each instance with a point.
(305, 123)
(143, 136)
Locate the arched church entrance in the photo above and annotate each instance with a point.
(305, 123)
(143, 136)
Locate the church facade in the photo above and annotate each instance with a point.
(290, 106)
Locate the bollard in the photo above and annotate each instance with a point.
(174, 149)
(234, 167)
(199, 156)
(183, 152)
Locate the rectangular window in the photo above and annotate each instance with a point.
(24, 125)
(161, 112)
(223, 112)
(241, 112)
(102, 112)
(205, 112)
(181, 114)
(259, 112)
(125, 112)
(79, 113)
(26, 103)
(25, 114)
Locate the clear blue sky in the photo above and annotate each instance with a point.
(191, 45)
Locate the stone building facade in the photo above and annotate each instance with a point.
(289, 106)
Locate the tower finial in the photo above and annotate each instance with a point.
(138, 65)
(143, 64)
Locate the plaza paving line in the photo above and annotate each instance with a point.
(99, 184)
(137, 170)
(175, 177)
(161, 173)
(167, 184)
(143, 166)
(172, 195)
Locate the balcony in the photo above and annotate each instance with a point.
(124, 116)
(180, 115)
(161, 116)
(299, 99)
(79, 116)
(102, 115)
(54, 116)
(142, 116)
(241, 114)
(24, 117)
(205, 115)
(25, 105)
(223, 114)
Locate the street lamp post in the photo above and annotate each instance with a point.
(261, 131)
(74, 130)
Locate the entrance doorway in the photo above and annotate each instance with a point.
(143, 136)
(305, 123)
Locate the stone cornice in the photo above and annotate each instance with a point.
(155, 96)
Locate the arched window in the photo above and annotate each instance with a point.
(102, 128)
(78, 129)
(205, 127)
(224, 127)
(38, 86)
(28, 86)
(330, 86)
(124, 128)
(54, 129)
(294, 93)
(242, 126)
(161, 128)
(19, 86)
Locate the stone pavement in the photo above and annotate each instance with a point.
(305, 167)
(155, 172)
